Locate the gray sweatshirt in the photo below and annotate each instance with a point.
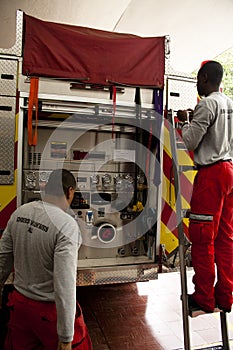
(210, 133)
(41, 242)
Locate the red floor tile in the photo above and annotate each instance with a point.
(115, 317)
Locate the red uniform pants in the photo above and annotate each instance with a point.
(32, 326)
(211, 234)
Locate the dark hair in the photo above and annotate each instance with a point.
(214, 70)
(60, 180)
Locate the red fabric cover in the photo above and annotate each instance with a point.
(100, 57)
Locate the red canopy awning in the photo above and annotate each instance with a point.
(94, 56)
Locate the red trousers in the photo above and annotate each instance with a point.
(211, 234)
(32, 326)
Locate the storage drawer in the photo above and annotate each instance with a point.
(8, 77)
(7, 139)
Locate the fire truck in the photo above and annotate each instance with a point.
(75, 102)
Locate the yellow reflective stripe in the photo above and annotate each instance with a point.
(168, 193)
(168, 238)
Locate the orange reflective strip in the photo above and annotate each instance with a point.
(33, 107)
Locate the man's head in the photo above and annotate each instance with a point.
(61, 183)
(209, 78)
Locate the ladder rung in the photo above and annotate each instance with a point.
(214, 347)
(196, 313)
(180, 145)
(186, 167)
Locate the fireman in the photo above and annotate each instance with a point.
(41, 241)
(210, 135)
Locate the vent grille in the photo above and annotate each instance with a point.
(128, 274)
(34, 158)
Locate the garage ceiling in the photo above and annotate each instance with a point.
(198, 30)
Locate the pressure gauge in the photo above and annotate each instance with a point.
(106, 179)
(129, 178)
(30, 180)
(95, 179)
(43, 176)
(118, 179)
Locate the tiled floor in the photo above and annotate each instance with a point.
(146, 316)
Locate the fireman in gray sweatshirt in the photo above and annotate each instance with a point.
(41, 243)
(210, 136)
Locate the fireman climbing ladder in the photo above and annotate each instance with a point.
(177, 169)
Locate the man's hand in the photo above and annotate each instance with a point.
(185, 115)
(64, 346)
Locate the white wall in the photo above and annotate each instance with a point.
(199, 29)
